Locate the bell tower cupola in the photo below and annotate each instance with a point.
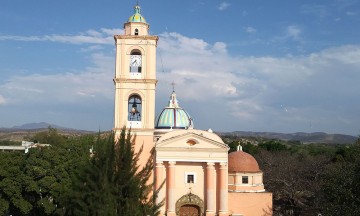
(136, 24)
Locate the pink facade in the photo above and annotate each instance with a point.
(250, 204)
(198, 178)
(193, 171)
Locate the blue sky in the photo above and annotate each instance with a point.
(277, 66)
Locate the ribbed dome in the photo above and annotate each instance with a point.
(137, 17)
(173, 116)
(240, 161)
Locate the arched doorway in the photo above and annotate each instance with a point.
(190, 205)
(189, 210)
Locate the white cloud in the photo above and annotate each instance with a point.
(221, 91)
(250, 29)
(104, 36)
(317, 10)
(351, 13)
(223, 6)
(62, 88)
(92, 48)
(293, 32)
(2, 100)
(179, 43)
(258, 88)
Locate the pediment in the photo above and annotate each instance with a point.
(191, 146)
(191, 140)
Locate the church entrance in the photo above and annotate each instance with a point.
(189, 210)
(190, 205)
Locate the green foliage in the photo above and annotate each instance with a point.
(11, 184)
(294, 179)
(64, 180)
(9, 143)
(247, 146)
(341, 189)
(273, 145)
(233, 145)
(341, 184)
(49, 137)
(112, 183)
(251, 148)
(308, 179)
(4, 206)
(318, 149)
(37, 183)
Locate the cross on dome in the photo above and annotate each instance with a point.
(173, 85)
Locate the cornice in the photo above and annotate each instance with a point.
(138, 37)
(137, 131)
(190, 149)
(124, 80)
(248, 191)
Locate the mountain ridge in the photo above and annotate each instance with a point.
(312, 137)
(38, 125)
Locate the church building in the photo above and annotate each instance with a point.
(200, 176)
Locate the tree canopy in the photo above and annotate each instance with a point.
(66, 179)
(309, 179)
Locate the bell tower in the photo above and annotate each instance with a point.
(135, 81)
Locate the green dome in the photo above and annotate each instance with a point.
(137, 17)
(173, 116)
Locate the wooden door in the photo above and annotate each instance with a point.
(189, 210)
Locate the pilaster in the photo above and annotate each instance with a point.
(171, 189)
(159, 179)
(223, 189)
(210, 189)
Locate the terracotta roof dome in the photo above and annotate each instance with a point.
(240, 161)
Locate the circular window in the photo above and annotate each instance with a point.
(191, 142)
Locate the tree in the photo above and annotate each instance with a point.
(51, 170)
(49, 137)
(294, 180)
(37, 183)
(273, 145)
(112, 183)
(12, 182)
(341, 184)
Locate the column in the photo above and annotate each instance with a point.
(171, 189)
(223, 189)
(159, 179)
(210, 189)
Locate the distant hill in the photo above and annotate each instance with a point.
(19, 133)
(37, 126)
(316, 137)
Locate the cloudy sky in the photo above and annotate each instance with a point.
(276, 66)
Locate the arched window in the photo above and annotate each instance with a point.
(136, 31)
(135, 61)
(134, 108)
